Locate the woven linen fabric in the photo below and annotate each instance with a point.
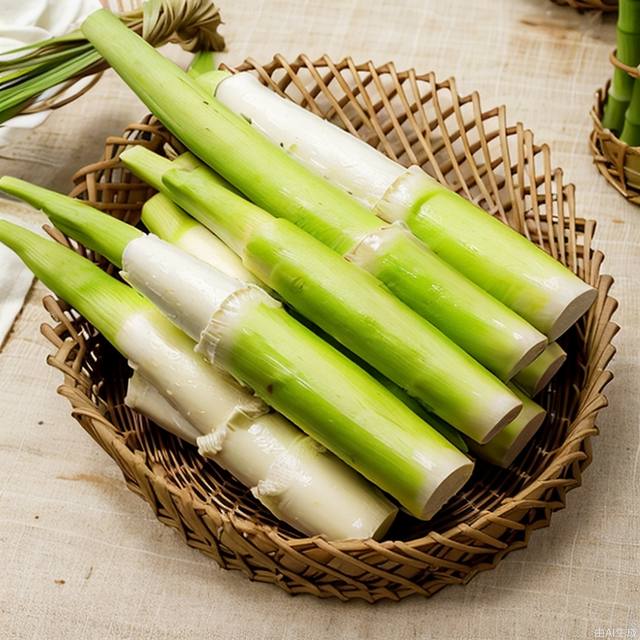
(82, 557)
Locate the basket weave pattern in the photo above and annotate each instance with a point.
(415, 119)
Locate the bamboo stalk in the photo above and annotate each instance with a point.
(628, 52)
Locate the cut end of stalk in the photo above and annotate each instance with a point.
(548, 375)
(534, 378)
(509, 443)
(384, 526)
(528, 357)
(503, 454)
(573, 311)
(522, 440)
(509, 412)
(446, 489)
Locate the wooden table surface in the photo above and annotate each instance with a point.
(82, 557)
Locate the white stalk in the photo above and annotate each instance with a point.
(144, 398)
(207, 397)
(187, 290)
(169, 222)
(354, 166)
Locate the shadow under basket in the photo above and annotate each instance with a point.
(590, 5)
(616, 161)
(414, 119)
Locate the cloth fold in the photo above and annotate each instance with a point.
(15, 281)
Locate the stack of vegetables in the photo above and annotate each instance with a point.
(321, 321)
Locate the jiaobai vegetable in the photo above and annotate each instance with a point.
(535, 377)
(289, 473)
(490, 332)
(342, 299)
(243, 330)
(495, 257)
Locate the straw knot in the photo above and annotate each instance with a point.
(193, 24)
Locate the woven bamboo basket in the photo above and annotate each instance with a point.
(415, 119)
(590, 5)
(616, 161)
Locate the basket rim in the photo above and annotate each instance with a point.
(611, 168)
(562, 472)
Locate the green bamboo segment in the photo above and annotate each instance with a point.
(509, 443)
(622, 85)
(629, 44)
(347, 303)
(535, 377)
(631, 130)
(491, 254)
(105, 302)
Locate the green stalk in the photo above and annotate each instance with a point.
(270, 352)
(203, 62)
(622, 85)
(111, 236)
(631, 130)
(491, 254)
(490, 332)
(346, 302)
(105, 302)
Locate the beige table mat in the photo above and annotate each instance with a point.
(82, 557)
